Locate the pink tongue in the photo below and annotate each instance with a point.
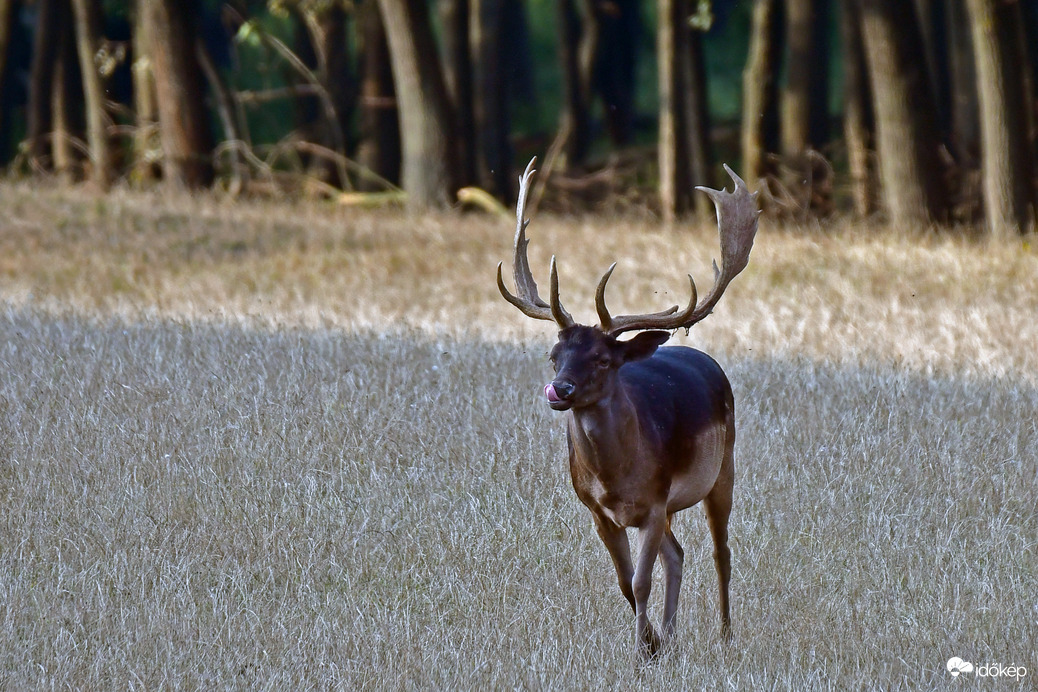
(549, 391)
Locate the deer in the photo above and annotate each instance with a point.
(650, 428)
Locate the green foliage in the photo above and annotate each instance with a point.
(703, 18)
(263, 69)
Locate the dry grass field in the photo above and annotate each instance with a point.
(258, 446)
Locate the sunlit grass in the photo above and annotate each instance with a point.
(265, 446)
(846, 294)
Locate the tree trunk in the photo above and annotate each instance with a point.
(145, 134)
(906, 124)
(457, 68)
(7, 15)
(933, 28)
(684, 125)
(426, 122)
(696, 115)
(301, 72)
(487, 31)
(673, 152)
(804, 100)
(857, 111)
(52, 15)
(964, 111)
(89, 24)
(379, 148)
(805, 107)
(759, 94)
(66, 97)
(1004, 130)
(183, 118)
(578, 43)
(619, 27)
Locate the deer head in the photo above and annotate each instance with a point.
(586, 359)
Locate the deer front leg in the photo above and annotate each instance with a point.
(619, 547)
(650, 536)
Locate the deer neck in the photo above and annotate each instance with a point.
(607, 435)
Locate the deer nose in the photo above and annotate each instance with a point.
(562, 388)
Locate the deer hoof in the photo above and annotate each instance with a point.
(650, 644)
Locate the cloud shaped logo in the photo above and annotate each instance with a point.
(956, 665)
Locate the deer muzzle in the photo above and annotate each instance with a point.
(558, 394)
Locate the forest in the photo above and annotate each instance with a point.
(921, 114)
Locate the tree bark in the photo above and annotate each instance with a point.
(458, 74)
(619, 31)
(7, 15)
(51, 17)
(578, 43)
(857, 111)
(1004, 129)
(89, 22)
(490, 96)
(183, 118)
(933, 28)
(683, 130)
(145, 108)
(964, 112)
(759, 94)
(906, 125)
(804, 100)
(426, 121)
(66, 97)
(673, 152)
(379, 148)
(696, 115)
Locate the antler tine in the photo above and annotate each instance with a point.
(736, 224)
(604, 318)
(623, 323)
(528, 300)
(558, 313)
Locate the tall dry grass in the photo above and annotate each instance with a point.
(260, 446)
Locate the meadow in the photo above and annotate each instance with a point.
(248, 445)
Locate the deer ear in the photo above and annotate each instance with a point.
(643, 345)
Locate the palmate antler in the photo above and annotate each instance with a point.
(736, 225)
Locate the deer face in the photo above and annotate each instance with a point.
(587, 362)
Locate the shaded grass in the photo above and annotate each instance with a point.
(194, 505)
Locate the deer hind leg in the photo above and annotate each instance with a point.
(718, 505)
(619, 547)
(650, 538)
(672, 557)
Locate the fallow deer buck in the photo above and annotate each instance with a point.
(651, 431)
